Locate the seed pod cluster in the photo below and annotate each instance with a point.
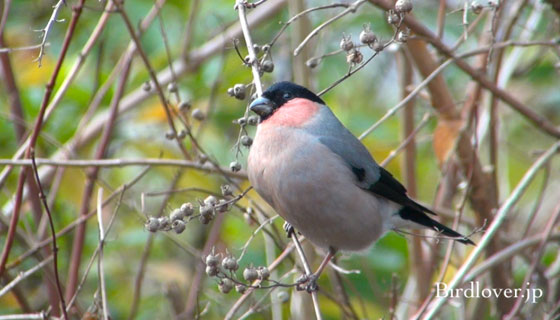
(225, 266)
(175, 221)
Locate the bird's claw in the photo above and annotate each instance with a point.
(289, 229)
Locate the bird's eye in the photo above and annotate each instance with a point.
(287, 96)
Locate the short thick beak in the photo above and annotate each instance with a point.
(262, 106)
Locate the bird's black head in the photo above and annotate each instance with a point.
(277, 95)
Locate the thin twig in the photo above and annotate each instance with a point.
(139, 278)
(79, 238)
(47, 29)
(537, 255)
(96, 252)
(253, 59)
(506, 253)
(110, 163)
(8, 50)
(27, 316)
(308, 272)
(35, 134)
(153, 76)
(53, 234)
(493, 228)
(394, 153)
(299, 15)
(23, 275)
(100, 268)
(539, 121)
(78, 221)
(351, 9)
(284, 255)
(403, 102)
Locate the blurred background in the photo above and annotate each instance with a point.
(106, 105)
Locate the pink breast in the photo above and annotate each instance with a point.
(293, 113)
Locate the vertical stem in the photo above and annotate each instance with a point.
(253, 60)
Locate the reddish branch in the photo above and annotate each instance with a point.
(78, 244)
(483, 197)
(16, 117)
(77, 10)
(419, 29)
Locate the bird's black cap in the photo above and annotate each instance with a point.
(277, 95)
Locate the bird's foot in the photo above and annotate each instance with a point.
(307, 283)
(289, 229)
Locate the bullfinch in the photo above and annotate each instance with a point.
(321, 179)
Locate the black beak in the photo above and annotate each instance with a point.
(262, 106)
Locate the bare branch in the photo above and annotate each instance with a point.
(351, 9)
(492, 229)
(47, 29)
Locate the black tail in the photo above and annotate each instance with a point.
(421, 218)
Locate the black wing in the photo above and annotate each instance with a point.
(389, 187)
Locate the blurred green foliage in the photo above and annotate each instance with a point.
(358, 102)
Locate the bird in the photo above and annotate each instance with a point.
(322, 180)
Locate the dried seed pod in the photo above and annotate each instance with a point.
(393, 18)
(241, 121)
(152, 224)
(354, 57)
(476, 7)
(253, 120)
(170, 135)
(235, 166)
(177, 214)
(211, 271)
(212, 260)
(185, 105)
(367, 36)
(246, 141)
(206, 210)
(241, 288)
(229, 263)
(378, 46)
(226, 189)
(346, 43)
(198, 114)
(250, 274)
(225, 285)
(172, 87)
(263, 273)
(239, 91)
(210, 201)
(403, 6)
(403, 36)
(178, 226)
(268, 66)
(164, 223)
(313, 62)
(222, 206)
(187, 209)
(204, 219)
